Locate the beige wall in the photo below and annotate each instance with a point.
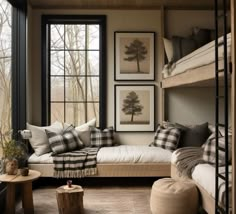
(117, 20)
(189, 105)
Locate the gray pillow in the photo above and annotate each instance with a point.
(194, 137)
(201, 36)
(182, 47)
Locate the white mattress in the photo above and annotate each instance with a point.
(204, 174)
(119, 154)
(200, 57)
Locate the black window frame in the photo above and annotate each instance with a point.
(19, 14)
(46, 20)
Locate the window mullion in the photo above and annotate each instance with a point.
(64, 72)
(86, 72)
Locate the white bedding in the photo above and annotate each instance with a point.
(119, 154)
(200, 57)
(204, 174)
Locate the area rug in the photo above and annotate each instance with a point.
(97, 200)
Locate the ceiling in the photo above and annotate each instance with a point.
(121, 4)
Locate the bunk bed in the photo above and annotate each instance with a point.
(210, 65)
(196, 68)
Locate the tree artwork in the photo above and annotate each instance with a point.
(136, 51)
(132, 106)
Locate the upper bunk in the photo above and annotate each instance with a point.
(198, 67)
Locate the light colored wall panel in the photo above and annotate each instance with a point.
(192, 105)
(181, 22)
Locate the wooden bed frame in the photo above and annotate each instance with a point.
(116, 170)
(201, 76)
(206, 200)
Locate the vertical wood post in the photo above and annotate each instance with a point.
(233, 106)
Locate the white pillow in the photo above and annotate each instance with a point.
(39, 140)
(84, 131)
(168, 49)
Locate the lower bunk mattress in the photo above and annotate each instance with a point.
(117, 161)
(204, 177)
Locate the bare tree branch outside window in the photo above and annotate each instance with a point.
(74, 73)
(5, 67)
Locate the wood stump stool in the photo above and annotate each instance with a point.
(70, 200)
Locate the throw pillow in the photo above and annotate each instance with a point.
(65, 142)
(195, 136)
(201, 36)
(168, 46)
(100, 138)
(182, 47)
(209, 154)
(84, 131)
(39, 141)
(166, 138)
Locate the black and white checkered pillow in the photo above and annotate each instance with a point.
(209, 153)
(100, 138)
(65, 142)
(167, 138)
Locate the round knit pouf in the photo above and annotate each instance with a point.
(169, 196)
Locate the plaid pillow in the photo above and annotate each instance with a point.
(65, 142)
(167, 138)
(209, 153)
(100, 138)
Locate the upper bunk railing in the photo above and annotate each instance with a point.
(225, 176)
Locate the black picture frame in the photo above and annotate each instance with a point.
(129, 67)
(143, 119)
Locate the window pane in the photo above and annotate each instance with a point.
(57, 62)
(75, 37)
(57, 36)
(93, 37)
(93, 112)
(57, 89)
(93, 63)
(57, 112)
(5, 70)
(79, 70)
(75, 113)
(75, 63)
(93, 89)
(75, 89)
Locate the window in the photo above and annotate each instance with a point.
(5, 67)
(75, 67)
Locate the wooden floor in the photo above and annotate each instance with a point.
(103, 199)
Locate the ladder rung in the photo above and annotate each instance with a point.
(221, 124)
(220, 97)
(221, 149)
(220, 209)
(222, 177)
(221, 70)
(221, 15)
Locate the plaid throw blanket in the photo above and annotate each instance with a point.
(187, 159)
(76, 164)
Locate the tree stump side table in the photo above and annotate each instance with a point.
(70, 200)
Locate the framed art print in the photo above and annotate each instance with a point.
(134, 55)
(134, 107)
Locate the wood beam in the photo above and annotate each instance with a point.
(233, 31)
